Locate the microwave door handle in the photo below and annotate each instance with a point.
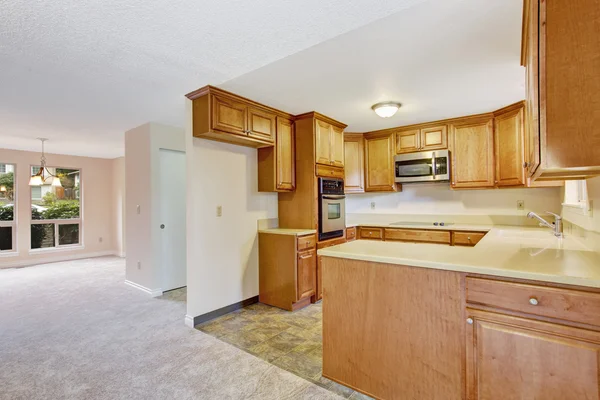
(433, 166)
(328, 197)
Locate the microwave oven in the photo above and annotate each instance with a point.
(424, 166)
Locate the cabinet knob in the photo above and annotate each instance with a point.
(469, 238)
(525, 164)
(470, 321)
(370, 233)
(533, 301)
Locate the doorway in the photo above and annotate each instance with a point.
(172, 211)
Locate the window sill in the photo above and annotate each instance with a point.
(11, 253)
(579, 208)
(56, 249)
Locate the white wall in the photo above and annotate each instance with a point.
(118, 181)
(222, 252)
(439, 199)
(587, 222)
(142, 145)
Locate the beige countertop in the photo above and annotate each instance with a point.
(419, 225)
(506, 251)
(293, 232)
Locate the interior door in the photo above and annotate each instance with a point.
(172, 210)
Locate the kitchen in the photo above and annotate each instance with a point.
(467, 287)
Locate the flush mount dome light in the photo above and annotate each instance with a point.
(386, 109)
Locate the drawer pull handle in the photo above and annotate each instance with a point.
(533, 301)
(470, 321)
(469, 238)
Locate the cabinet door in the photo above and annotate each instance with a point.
(408, 141)
(434, 138)
(518, 358)
(337, 146)
(285, 156)
(354, 179)
(229, 115)
(532, 156)
(508, 137)
(261, 124)
(323, 143)
(472, 154)
(306, 271)
(379, 164)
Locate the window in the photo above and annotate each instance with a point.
(576, 195)
(56, 210)
(8, 225)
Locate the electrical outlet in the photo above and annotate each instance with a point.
(520, 205)
(139, 265)
(372, 205)
(219, 211)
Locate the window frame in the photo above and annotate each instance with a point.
(57, 222)
(582, 205)
(14, 223)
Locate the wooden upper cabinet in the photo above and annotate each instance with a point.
(561, 53)
(354, 170)
(337, 146)
(408, 141)
(261, 124)
(509, 144)
(472, 153)
(322, 142)
(277, 165)
(306, 274)
(379, 163)
(434, 138)
(229, 115)
(518, 358)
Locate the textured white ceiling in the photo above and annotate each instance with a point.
(440, 59)
(81, 72)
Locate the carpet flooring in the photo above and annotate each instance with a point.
(74, 330)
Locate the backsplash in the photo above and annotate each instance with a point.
(438, 199)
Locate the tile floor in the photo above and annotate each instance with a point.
(292, 341)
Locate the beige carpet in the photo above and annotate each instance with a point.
(74, 330)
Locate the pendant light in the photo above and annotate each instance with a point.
(386, 109)
(44, 174)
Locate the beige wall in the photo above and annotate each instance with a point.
(439, 199)
(222, 252)
(118, 176)
(97, 205)
(587, 222)
(142, 145)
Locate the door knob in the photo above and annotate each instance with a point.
(162, 226)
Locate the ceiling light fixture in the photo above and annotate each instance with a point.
(386, 109)
(44, 174)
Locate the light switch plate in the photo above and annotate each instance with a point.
(520, 205)
(219, 211)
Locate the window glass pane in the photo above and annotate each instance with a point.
(58, 197)
(7, 192)
(68, 234)
(6, 238)
(42, 235)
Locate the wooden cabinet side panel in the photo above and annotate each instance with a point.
(510, 358)
(277, 270)
(393, 331)
(532, 103)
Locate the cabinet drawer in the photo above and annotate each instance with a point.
(565, 304)
(371, 233)
(467, 238)
(350, 233)
(418, 235)
(307, 242)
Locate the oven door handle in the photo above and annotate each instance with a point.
(328, 197)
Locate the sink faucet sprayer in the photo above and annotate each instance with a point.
(556, 226)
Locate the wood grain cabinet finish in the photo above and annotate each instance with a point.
(408, 141)
(561, 53)
(460, 238)
(226, 117)
(306, 278)
(422, 139)
(417, 235)
(370, 233)
(277, 165)
(472, 153)
(354, 165)
(307, 242)
(329, 144)
(509, 146)
(518, 358)
(350, 234)
(379, 163)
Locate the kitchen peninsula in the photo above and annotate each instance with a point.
(414, 320)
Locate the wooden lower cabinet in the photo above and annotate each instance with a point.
(518, 358)
(306, 270)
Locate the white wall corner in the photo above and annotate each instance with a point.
(151, 292)
(189, 321)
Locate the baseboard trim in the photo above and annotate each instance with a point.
(151, 292)
(189, 321)
(58, 258)
(224, 310)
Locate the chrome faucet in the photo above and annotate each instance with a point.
(556, 226)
